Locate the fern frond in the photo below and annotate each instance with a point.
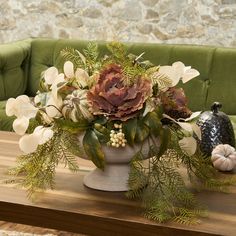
(36, 171)
(118, 51)
(91, 52)
(165, 196)
(74, 56)
(161, 80)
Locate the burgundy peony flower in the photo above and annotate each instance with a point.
(174, 103)
(112, 98)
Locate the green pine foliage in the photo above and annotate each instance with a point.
(74, 56)
(161, 187)
(36, 171)
(87, 60)
(132, 66)
(163, 192)
(118, 52)
(91, 54)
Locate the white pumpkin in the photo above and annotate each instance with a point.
(223, 157)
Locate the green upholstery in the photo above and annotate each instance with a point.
(42, 57)
(223, 80)
(22, 63)
(14, 61)
(5, 121)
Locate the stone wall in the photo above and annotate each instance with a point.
(211, 22)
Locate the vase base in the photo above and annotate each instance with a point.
(114, 178)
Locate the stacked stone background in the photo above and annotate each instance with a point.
(209, 22)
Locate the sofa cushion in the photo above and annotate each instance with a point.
(5, 121)
(42, 57)
(223, 80)
(14, 59)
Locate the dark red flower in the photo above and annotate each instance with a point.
(118, 101)
(174, 103)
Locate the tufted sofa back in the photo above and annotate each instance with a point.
(217, 67)
(14, 67)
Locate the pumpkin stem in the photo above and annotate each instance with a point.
(215, 107)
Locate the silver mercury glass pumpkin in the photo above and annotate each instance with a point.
(216, 128)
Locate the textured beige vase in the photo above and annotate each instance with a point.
(116, 173)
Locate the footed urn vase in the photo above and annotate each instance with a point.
(115, 175)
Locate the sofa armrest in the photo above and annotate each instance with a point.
(14, 63)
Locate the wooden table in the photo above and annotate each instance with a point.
(75, 208)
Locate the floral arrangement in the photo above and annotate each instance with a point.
(117, 100)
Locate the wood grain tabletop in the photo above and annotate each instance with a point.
(76, 208)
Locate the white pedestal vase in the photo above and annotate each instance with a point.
(115, 175)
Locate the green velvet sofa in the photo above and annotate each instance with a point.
(22, 62)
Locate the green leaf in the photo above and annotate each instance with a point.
(101, 137)
(93, 148)
(72, 127)
(102, 129)
(153, 122)
(159, 111)
(129, 128)
(101, 120)
(142, 132)
(165, 137)
(102, 133)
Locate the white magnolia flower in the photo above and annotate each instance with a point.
(188, 144)
(178, 71)
(53, 106)
(56, 80)
(189, 127)
(81, 76)
(23, 109)
(50, 75)
(29, 143)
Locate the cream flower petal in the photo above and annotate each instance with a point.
(20, 125)
(45, 135)
(29, 143)
(50, 75)
(69, 69)
(23, 99)
(170, 72)
(37, 99)
(10, 107)
(193, 116)
(185, 126)
(188, 145)
(53, 106)
(190, 74)
(179, 67)
(197, 130)
(60, 79)
(28, 110)
(15, 106)
(38, 130)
